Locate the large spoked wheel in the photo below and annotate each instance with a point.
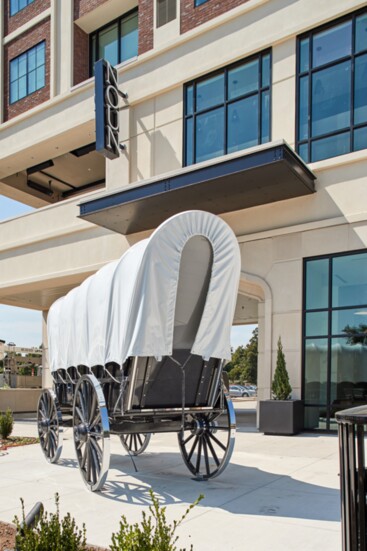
(135, 444)
(91, 432)
(49, 422)
(207, 443)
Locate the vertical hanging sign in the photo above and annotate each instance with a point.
(107, 109)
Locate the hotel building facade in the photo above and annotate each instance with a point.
(255, 110)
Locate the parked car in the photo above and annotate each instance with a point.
(238, 391)
(250, 390)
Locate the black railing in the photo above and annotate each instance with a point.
(352, 431)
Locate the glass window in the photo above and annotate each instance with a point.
(349, 280)
(210, 92)
(332, 89)
(17, 5)
(243, 79)
(27, 73)
(108, 44)
(317, 284)
(129, 37)
(242, 124)
(316, 324)
(166, 11)
(210, 135)
(233, 103)
(116, 42)
(332, 44)
(335, 366)
(199, 2)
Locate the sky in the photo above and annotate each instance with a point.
(24, 327)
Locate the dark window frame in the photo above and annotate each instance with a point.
(95, 33)
(311, 71)
(27, 72)
(224, 70)
(11, 10)
(330, 335)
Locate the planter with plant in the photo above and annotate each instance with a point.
(281, 415)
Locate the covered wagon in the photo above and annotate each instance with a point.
(139, 347)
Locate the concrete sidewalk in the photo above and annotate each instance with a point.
(278, 493)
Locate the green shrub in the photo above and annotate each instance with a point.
(153, 534)
(281, 387)
(6, 424)
(51, 533)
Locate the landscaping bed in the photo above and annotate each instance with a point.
(7, 538)
(14, 441)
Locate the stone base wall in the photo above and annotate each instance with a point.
(19, 400)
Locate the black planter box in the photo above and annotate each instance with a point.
(281, 417)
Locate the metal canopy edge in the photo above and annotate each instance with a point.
(256, 177)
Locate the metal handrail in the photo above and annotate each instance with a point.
(353, 483)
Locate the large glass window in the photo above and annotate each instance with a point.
(17, 5)
(229, 110)
(332, 89)
(335, 337)
(27, 73)
(116, 42)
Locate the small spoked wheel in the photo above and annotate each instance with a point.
(49, 422)
(207, 442)
(135, 443)
(91, 432)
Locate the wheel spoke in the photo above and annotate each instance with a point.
(218, 442)
(205, 446)
(215, 457)
(193, 448)
(97, 449)
(96, 420)
(190, 437)
(140, 440)
(198, 460)
(80, 414)
(88, 462)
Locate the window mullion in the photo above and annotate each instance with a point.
(310, 55)
(225, 125)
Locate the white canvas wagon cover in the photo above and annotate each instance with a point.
(128, 307)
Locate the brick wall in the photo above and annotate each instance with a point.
(82, 7)
(11, 23)
(191, 16)
(21, 44)
(146, 11)
(81, 55)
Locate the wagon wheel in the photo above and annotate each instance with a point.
(207, 443)
(135, 443)
(91, 432)
(49, 422)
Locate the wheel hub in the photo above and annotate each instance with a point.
(45, 424)
(83, 432)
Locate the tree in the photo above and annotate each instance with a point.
(356, 334)
(243, 365)
(281, 387)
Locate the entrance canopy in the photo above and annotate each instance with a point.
(259, 175)
(129, 307)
